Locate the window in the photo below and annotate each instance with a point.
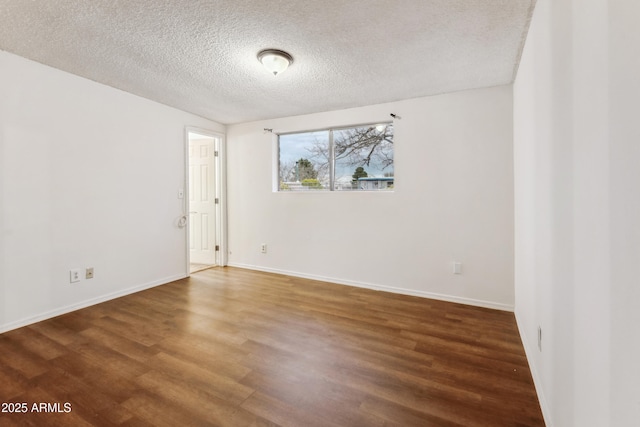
(342, 159)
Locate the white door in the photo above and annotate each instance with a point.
(202, 208)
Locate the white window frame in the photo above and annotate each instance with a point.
(332, 157)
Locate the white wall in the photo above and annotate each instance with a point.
(577, 210)
(88, 177)
(453, 200)
(624, 196)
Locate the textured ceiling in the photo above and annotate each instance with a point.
(200, 55)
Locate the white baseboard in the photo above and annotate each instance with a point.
(537, 382)
(87, 303)
(423, 294)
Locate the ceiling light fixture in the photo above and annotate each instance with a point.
(276, 61)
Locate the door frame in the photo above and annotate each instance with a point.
(220, 190)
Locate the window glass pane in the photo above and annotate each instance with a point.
(364, 158)
(304, 161)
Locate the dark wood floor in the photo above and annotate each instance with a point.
(231, 347)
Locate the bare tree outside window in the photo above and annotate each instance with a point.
(356, 158)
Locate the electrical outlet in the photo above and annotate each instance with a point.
(457, 268)
(539, 338)
(89, 273)
(74, 275)
(263, 248)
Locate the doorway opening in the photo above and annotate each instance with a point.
(203, 202)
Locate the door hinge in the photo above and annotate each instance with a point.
(217, 247)
(217, 200)
(215, 153)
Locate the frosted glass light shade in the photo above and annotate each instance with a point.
(276, 61)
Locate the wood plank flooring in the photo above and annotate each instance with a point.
(194, 268)
(233, 347)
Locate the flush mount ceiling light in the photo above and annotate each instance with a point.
(276, 61)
